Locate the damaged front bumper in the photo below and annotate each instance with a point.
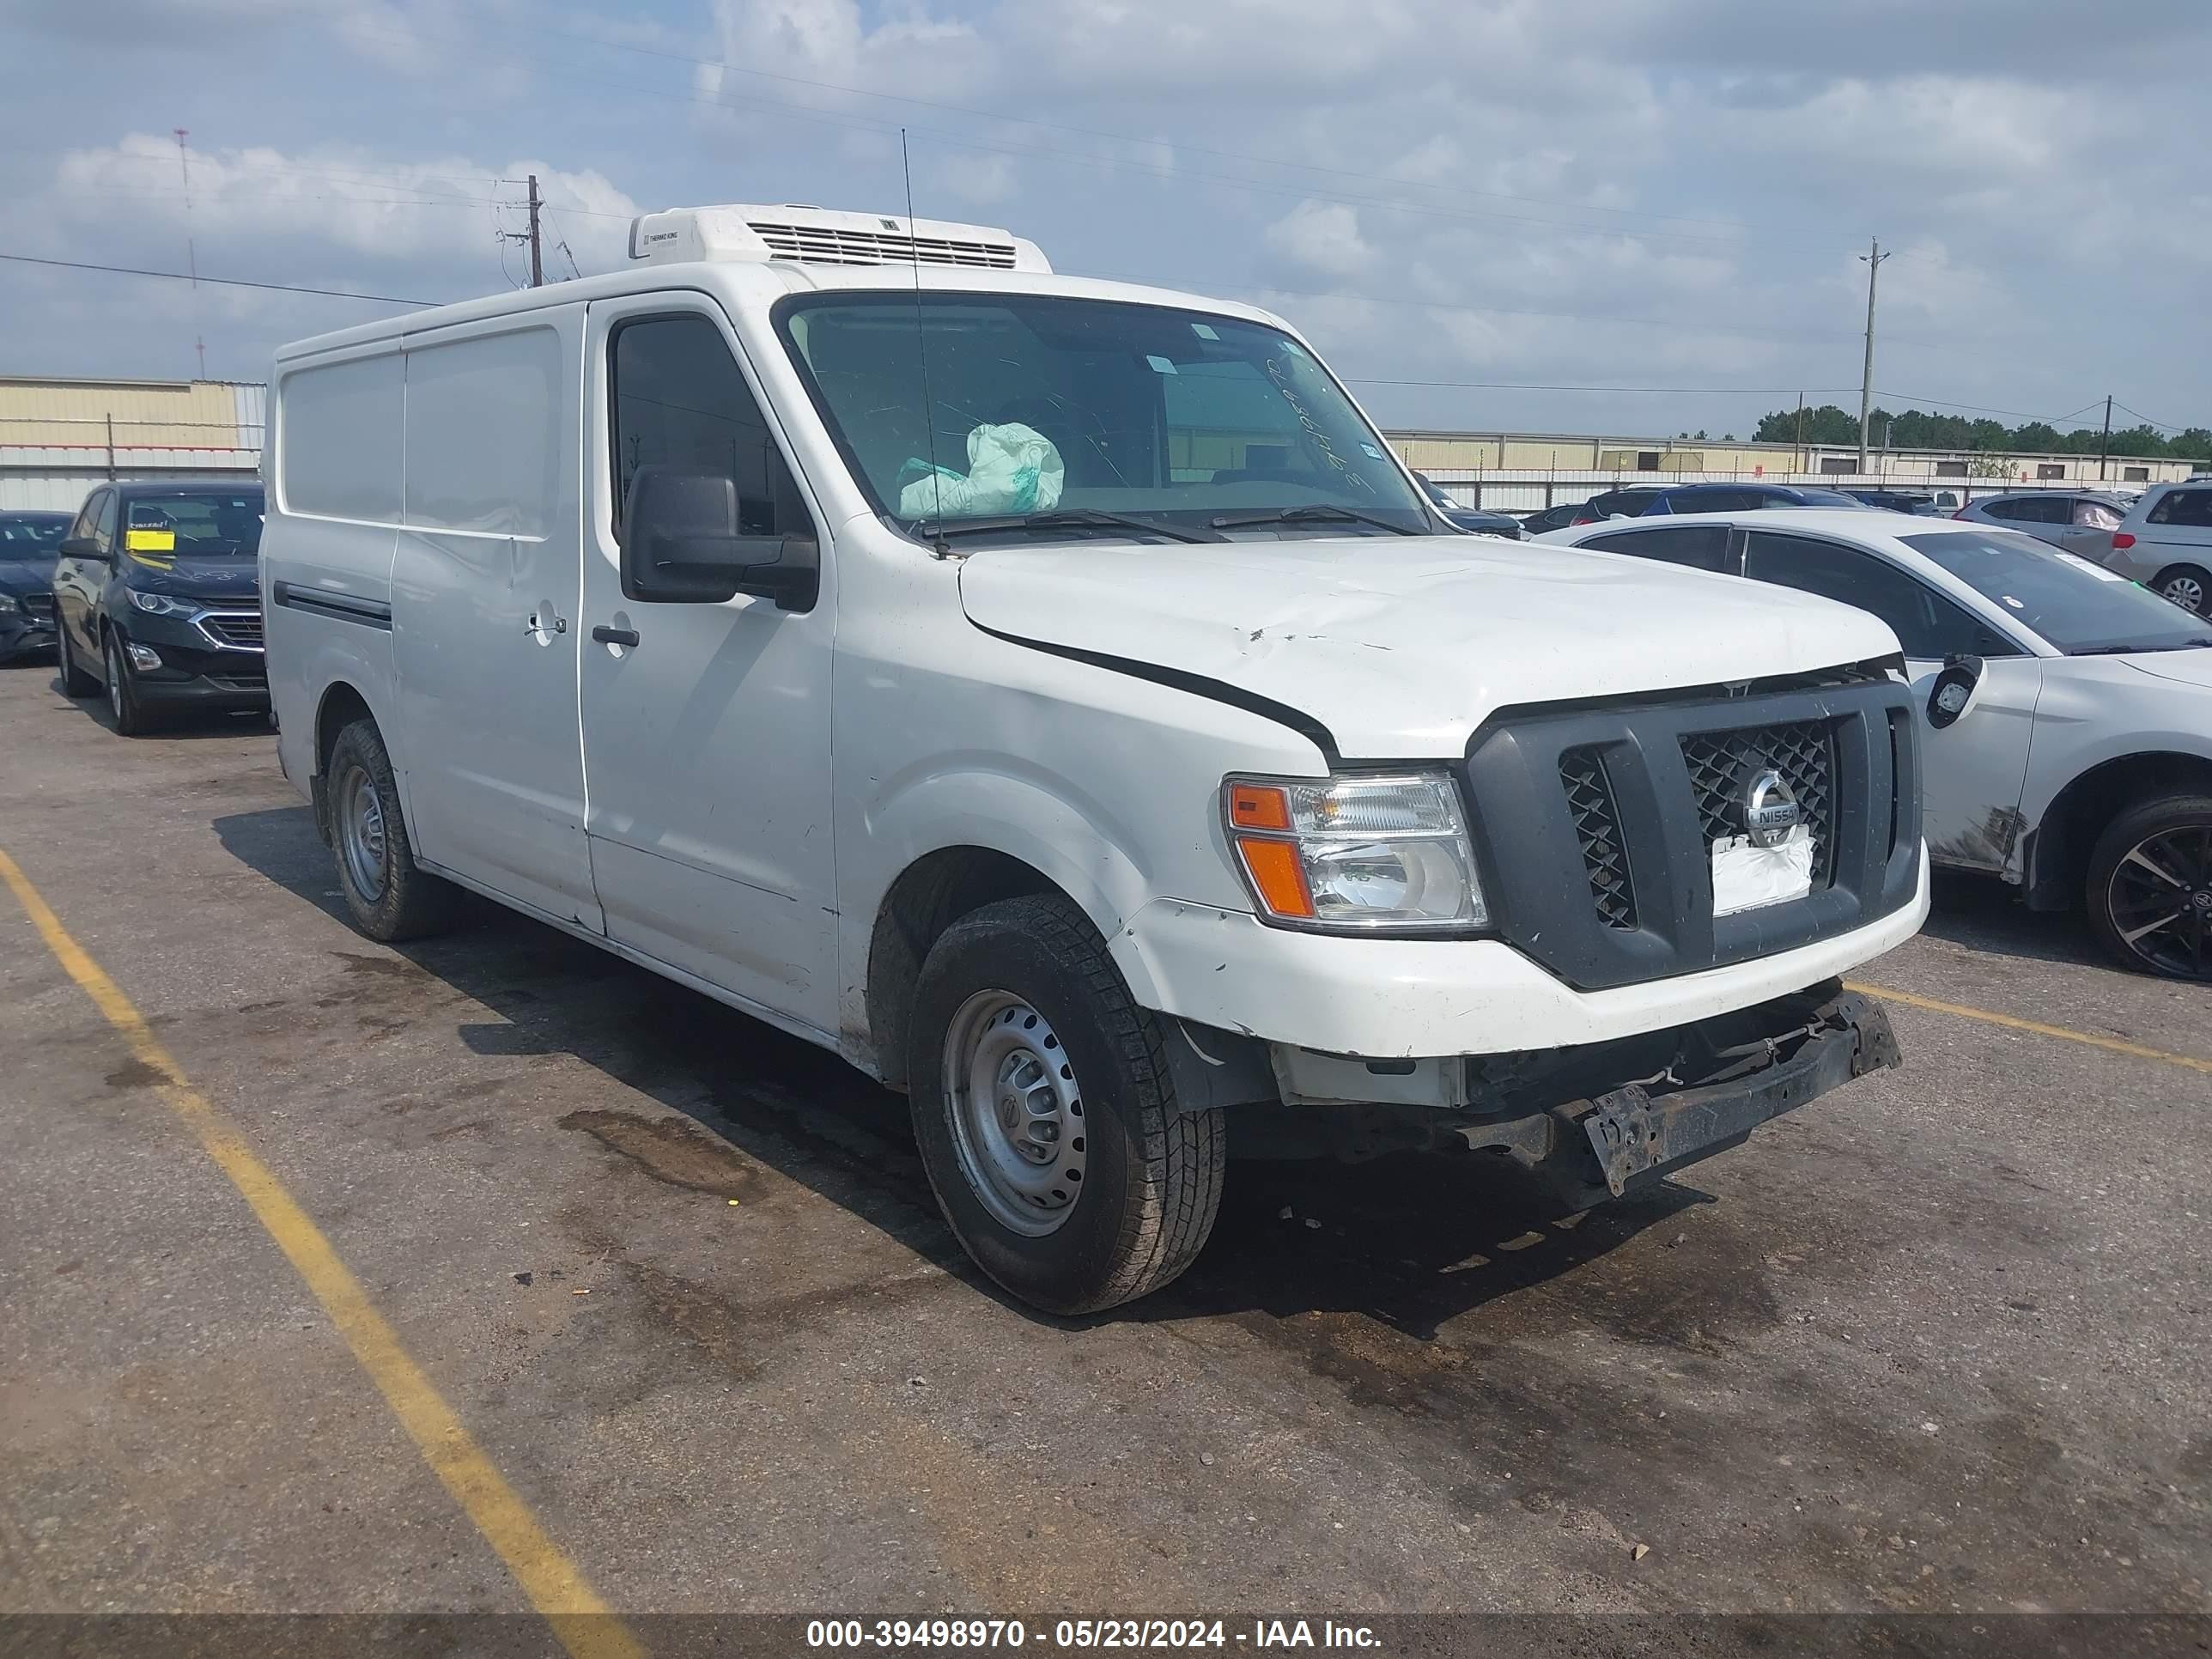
(1602, 1120)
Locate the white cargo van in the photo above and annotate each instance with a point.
(1053, 695)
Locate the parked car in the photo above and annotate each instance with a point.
(1551, 518)
(1742, 498)
(2066, 713)
(157, 600)
(1472, 519)
(2079, 521)
(1624, 502)
(28, 544)
(1921, 503)
(1096, 799)
(2165, 542)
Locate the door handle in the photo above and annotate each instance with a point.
(606, 636)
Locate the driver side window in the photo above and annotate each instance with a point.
(96, 519)
(1927, 624)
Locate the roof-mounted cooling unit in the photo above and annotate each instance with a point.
(812, 236)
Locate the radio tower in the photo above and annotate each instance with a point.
(191, 255)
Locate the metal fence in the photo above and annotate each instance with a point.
(1530, 491)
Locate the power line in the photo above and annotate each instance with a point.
(224, 282)
(2165, 426)
(1523, 385)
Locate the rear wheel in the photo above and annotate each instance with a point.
(1046, 1117)
(124, 701)
(2150, 887)
(2187, 586)
(77, 681)
(391, 898)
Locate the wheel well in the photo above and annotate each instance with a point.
(342, 707)
(2058, 850)
(930, 894)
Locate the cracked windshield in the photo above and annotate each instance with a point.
(1012, 416)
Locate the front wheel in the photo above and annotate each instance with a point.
(1046, 1117)
(124, 701)
(2150, 887)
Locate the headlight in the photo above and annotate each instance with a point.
(1355, 854)
(7, 605)
(164, 604)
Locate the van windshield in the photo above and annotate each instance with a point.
(1047, 414)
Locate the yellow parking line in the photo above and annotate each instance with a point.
(2011, 1022)
(554, 1584)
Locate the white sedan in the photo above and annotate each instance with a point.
(2066, 712)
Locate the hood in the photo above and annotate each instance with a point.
(20, 576)
(2191, 667)
(1400, 647)
(202, 579)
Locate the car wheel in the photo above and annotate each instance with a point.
(124, 701)
(2187, 586)
(390, 896)
(1046, 1117)
(2150, 887)
(76, 681)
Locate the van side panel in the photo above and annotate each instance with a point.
(334, 482)
(486, 616)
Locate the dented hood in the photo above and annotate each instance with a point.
(1402, 647)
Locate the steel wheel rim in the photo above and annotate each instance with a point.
(114, 677)
(361, 835)
(1016, 1113)
(2161, 901)
(2186, 591)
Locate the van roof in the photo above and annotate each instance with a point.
(760, 283)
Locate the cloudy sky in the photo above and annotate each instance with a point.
(1492, 194)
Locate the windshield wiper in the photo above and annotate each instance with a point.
(1317, 513)
(1072, 518)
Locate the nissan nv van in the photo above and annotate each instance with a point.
(1054, 697)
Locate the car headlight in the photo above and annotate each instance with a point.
(164, 604)
(7, 605)
(1356, 853)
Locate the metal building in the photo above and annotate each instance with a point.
(58, 437)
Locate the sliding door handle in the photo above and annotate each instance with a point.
(606, 636)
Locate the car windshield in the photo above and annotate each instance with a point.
(2081, 608)
(29, 538)
(194, 524)
(1045, 405)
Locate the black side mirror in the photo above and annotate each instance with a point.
(80, 547)
(1953, 691)
(682, 543)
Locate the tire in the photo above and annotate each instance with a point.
(2185, 585)
(391, 898)
(2153, 861)
(125, 702)
(75, 682)
(1126, 1197)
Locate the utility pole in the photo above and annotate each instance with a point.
(537, 254)
(191, 255)
(2104, 447)
(1873, 256)
(1797, 460)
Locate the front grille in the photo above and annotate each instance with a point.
(829, 245)
(240, 628)
(1597, 822)
(245, 679)
(1802, 752)
(40, 605)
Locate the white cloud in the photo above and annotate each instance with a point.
(1323, 236)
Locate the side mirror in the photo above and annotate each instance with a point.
(80, 547)
(1954, 690)
(682, 543)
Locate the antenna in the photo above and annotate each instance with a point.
(191, 255)
(939, 546)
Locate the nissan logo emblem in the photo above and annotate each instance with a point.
(1770, 809)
